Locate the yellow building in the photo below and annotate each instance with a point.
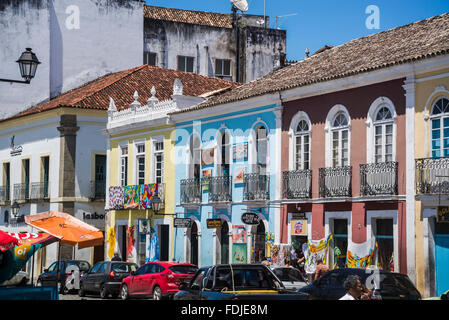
(140, 162)
(431, 132)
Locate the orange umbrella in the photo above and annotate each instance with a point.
(67, 228)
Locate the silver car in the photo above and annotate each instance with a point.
(291, 277)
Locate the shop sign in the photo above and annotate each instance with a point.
(443, 214)
(298, 227)
(213, 223)
(250, 218)
(182, 222)
(92, 216)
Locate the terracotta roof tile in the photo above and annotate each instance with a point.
(212, 19)
(121, 86)
(419, 40)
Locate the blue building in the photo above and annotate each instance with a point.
(227, 162)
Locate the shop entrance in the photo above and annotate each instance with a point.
(223, 237)
(164, 242)
(259, 243)
(194, 244)
(442, 256)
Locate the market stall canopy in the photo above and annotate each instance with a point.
(6, 241)
(67, 228)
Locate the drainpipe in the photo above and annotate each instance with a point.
(237, 37)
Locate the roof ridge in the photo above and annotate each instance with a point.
(197, 11)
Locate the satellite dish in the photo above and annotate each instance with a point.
(242, 5)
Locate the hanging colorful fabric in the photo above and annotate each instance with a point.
(149, 191)
(132, 197)
(116, 197)
(130, 245)
(360, 255)
(316, 249)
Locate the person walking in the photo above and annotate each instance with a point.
(321, 269)
(355, 289)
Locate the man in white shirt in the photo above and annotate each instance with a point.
(354, 287)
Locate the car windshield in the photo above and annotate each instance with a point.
(256, 278)
(183, 269)
(83, 265)
(196, 282)
(288, 274)
(123, 267)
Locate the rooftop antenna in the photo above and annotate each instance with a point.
(285, 15)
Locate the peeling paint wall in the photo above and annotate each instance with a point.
(75, 40)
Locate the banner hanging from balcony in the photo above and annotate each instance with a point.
(149, 191)
(132, 197)
(360, 255)
(152, 245)
(298, 227)
(316, 249)
(116, 198)
(131, 254)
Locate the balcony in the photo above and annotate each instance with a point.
(335, 182)
(5, 195)
(21, 192)
(97, 190)
(190, 191)
(220, 189)
(379, 179)
(432, 176)
(256, 187)
(39, 191)
(297, 184)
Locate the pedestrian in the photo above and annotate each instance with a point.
(116, 257)
(265, 262)
(321, 269)
(354, 288)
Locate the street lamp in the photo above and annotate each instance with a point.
(156, 204)
(28, 63)
(15, 209)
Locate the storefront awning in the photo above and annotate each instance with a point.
(6, 241)
(67, 228)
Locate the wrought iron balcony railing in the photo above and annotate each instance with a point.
(21, 192)
(190, 191)
(432, 176)
(335, 182)
(5, 194)
(256, 187)
(379, 178)
(97, 189)
(297, 184)
(39, 191)
(220, 188)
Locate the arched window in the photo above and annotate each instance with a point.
(261, 149)
(302, 145)
(195, 160)
(340, 140)
(440, 127)
(224, 148)
(383, 135)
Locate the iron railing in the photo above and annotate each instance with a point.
(256, 187)
(297, 184)
(379, 178)
(220, 188)
(335, 182)
(39, 191)
(97, 189)
(5, 194)
(21, 192)
(432, 176)
(190, 191)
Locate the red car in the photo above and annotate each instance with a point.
(159, 279)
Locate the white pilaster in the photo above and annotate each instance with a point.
(278, 172)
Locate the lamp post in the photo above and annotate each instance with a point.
(156, 204)
(15, 209)
(28, 63)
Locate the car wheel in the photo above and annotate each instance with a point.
(81, 291)
(124, 293)
(103, 292)
(157, 293)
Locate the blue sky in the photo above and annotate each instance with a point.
(315, 23)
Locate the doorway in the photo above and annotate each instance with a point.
(259, 243)
(164, 242)
(194, 244)
(442, 256)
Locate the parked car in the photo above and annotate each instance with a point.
(105, 278)
(49, 276)
(291, 277)
(236, 282)
(391, 285)
(443, 296)
(21, 278)
(157, 279)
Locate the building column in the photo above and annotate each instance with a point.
(358, 222)
(317, 221)
(278, 220)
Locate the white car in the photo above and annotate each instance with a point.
(291, 277)
(20, 279)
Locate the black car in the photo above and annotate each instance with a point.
(386, 285)
(105, 278)
(49, 276)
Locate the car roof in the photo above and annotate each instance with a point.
(171, 263)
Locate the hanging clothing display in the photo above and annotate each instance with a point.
(152, 245)
(116, 197)
(316, 249)
(360, 255)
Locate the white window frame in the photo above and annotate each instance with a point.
(339, 131)
(137, 156)
(221, 73)
(300, 116)
(154, 153)
(120, 166)
(329, 130)
(371, 124)
(439, 117)
(185, 63)
(218, 151)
